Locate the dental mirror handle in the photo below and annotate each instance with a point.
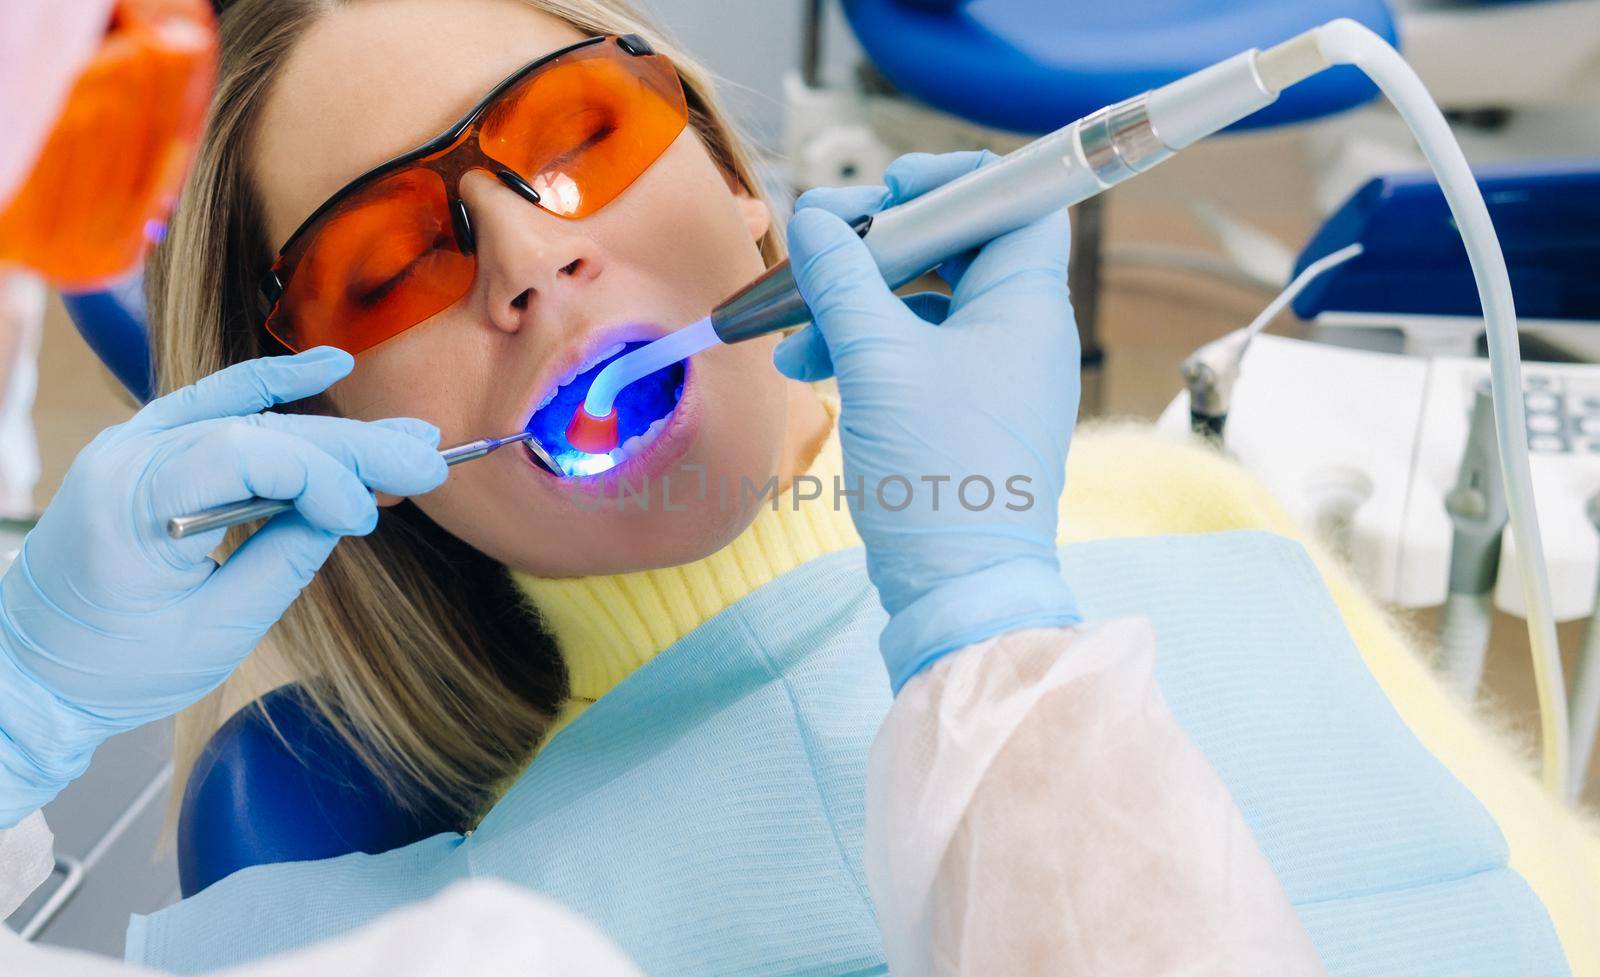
(1068, 166)
(248, 510)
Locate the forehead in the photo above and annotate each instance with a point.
(375, 78)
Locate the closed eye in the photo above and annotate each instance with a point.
(368, 296)
(594, 139)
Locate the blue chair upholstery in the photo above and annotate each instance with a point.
(1031, 66)
(112, 322)
(275, 784)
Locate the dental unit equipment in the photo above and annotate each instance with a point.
(1113, 145)
(234, 513)
(1211, 371)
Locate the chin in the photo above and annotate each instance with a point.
(635, 541)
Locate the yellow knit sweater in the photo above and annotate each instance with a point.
(1121, 481)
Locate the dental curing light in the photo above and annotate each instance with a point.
(1066, 167)
(593, 435)
(234, 513)
(1115, 144)
(581, 446)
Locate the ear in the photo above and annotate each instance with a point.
(757, 215)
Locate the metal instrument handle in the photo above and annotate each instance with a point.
(249, 510)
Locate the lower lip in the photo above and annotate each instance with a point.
(671, 443)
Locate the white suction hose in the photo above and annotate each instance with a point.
(1347, 42)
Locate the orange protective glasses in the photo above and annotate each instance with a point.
(111, 168)
(569, 133)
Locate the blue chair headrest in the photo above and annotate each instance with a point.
(112, 321)
(277, 784)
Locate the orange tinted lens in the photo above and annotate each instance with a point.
(382, 261)
(582, 131)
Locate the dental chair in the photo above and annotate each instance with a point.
(1007, 67)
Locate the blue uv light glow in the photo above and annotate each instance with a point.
(638, 405)
(644, 359)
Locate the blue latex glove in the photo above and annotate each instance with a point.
(107, 623)
(990, 392)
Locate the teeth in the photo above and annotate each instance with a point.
(604, 354)
(638, 442)
(585, 367)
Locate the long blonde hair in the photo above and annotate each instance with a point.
(414, 647)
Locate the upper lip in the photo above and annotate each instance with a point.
(571, 360)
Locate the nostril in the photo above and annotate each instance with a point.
(572, 269)
(521, 301)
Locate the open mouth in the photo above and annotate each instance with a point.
(643, 409)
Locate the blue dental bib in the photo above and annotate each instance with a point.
(708, 813)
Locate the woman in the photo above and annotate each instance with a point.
(308, 101)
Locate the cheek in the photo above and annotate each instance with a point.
(419, 374)
(744, 410)
(682, 220)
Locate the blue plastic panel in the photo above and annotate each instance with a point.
(1034, 65)
(1547, 217)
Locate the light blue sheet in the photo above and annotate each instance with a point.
(707, 813)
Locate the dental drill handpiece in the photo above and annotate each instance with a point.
(248, 510)
(1068, 166)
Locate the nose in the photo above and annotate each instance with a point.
(527, 259)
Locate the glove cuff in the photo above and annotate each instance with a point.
(1009, 596)
(41, 746)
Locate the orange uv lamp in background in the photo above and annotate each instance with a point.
(108, 175)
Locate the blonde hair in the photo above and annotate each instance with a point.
(414, 647)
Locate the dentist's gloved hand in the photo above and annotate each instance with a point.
(976, 400)
(107, 623)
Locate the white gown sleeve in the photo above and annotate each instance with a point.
(482, 927)
(1034, 808)
(26, 860)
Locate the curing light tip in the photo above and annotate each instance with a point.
(595, 435)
